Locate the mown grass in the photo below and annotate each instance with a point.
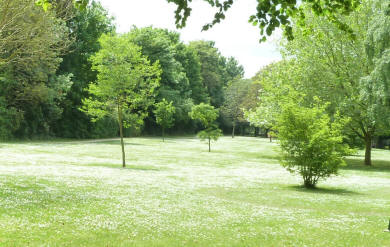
(177, 194)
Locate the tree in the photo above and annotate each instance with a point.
(311, 144)
(212, 70)
(276, 88)
(207, 115)
(326, 57)
(165, 46)
(191, 63)
(29, 34)
(48, 4)
(31, 42)
(164, 113)
(125, 85)
(235, 95)
(375, 86)
(86, 28)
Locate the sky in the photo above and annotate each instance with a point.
(234, 36)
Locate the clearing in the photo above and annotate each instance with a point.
(177, 194)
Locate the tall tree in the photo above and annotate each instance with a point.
(125, 85)
(331, 70)
(31, 42)
(162, 45)
(212, 70)
(277, 82)
(235, 95)
(86, 28)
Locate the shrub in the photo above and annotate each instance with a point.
(312, 144)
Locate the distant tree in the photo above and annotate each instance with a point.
(312, 145)
(211, 71)
(165, 47)
(86, 28)
(216, 70)
(125, 85)
(276, 84)
(235, 94)
(31, 41)
(207, 115)
(191, 63)
(233, 69)
(250, 102)
(164, 113)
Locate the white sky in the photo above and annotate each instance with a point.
(234, 36)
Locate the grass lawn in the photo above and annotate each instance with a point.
(177, 194)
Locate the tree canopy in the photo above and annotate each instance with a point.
(271, 14)
(125, 85)
(207, 115)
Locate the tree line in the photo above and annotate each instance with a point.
(48, 68)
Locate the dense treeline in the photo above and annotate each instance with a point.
(46, 69)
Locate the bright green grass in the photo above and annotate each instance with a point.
(177, 194)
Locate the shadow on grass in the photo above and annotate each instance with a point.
(319, 190)
(128, 167)
(114, 142)
(358, 164)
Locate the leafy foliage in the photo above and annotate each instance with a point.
(207, 115)
(216, 70)
(31, 42)
(164, 113)
(125, 85)
(178, 65)
(311, 144)
(271, 14)
(328, 68)
(125, 78)
(235, 95)
(86, 28)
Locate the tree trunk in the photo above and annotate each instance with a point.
(209, 145)
(367, 156)
(163, 134)
(256, 131)
(234, 126)
(120, 119)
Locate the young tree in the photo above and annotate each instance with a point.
(125, 85)
(311, 144)
(207, 115)
(164, 114)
